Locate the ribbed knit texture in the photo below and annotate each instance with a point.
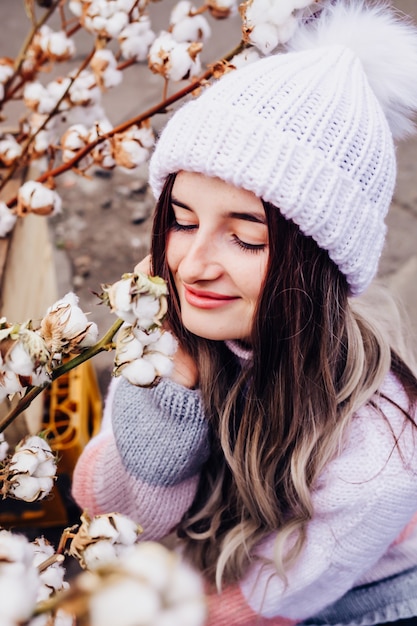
(304, 131)
(361, 543)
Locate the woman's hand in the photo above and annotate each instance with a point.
(144, 266)
(185, 369)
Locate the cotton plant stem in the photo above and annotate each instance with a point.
(105, 344)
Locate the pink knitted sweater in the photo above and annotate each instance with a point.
(145, 463)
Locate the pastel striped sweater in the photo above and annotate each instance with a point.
(145, 463)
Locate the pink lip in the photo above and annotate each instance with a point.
(206, 299)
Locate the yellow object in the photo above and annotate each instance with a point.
(72, 415)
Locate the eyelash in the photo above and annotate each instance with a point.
(246, 247)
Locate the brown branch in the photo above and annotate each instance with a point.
(55, 110)
(157, 108)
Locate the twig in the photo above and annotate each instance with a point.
(157, 108)
(55, 110)
(103, 345)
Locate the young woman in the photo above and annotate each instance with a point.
(282, 450)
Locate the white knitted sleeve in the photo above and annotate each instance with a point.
(364, 500)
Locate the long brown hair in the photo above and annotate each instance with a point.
(277, 423)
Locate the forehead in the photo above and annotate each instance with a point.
(198, 191)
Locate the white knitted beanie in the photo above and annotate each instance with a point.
(311, 130)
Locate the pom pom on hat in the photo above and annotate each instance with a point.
(311, 130)
(385, 44)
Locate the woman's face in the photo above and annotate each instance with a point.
(217, 251)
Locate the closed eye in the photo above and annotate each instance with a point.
(248, 247)
(176, 226)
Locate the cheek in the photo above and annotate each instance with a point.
(172, 253)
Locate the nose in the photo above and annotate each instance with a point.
(200, 259)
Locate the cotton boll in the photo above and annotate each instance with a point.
(146, 337)
(10, 150)
(182, 63)
(9, 384)
(6, 70)
(23, 461)
(91, 336)
(151, 562)
(128, 348)
(127, 528)
(163, 364)
(25, 487)
(126, 602)
(139, 372)
(185, 585)
(119, 295)
(37, 98)
(4, 447)
(19, 361)
(136, 38)
(264, 37)
(99, 554)
(181, 10)
(102, 526)
(102, 153)
(166, 344)
(146, 308)
(76, 7)
(104, 66)
(84, 90)
(37, 443)
(7, 219)
(58, 46)
(33, 197)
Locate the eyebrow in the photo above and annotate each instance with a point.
(248, 217)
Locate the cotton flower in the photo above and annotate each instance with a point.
(10, 150)
(6, 69)
(148, 585)
(267, 23)
(104, 18)
(132, 147)
(31, 470)
(28, 353)
(76, 7)
(102, 539)
(37, 98)
(136, 38)
(9, 384)
(74, 139)
(19, 579)
(102, 153)
(34, 197)
(7, 219)
(65, 327)
(51, 577)
(220, 9)
(124, 296)
(4, 447)
(84, 90)
(172, 59)
(141, 357)
(185, 26)
(55, 45)
(104, 66)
